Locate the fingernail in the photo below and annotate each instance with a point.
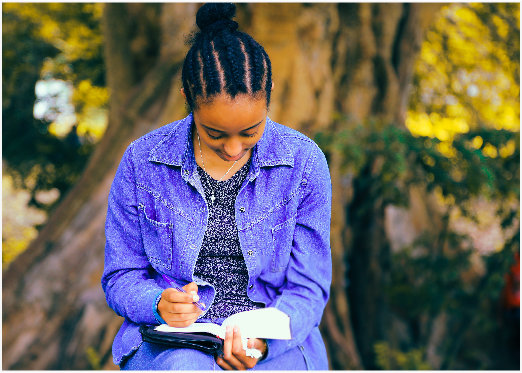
(195, 297)
(236, 328)
(229, 329)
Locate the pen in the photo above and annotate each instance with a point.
(175, 286)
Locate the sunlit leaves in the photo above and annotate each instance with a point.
(467, 72)
(91, 102)
(75, 31)
(59, 42)
(18, 224)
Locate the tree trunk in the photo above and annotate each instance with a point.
(345, 58)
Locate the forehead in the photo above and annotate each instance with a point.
(231, 114)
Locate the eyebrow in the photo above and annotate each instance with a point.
(246, 129)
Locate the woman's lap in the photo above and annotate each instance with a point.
(154, 357)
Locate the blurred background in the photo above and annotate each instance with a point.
(417, 107)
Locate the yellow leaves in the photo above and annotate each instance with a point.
(467, 76)
(91, 103)
(74, 29)
(501, 25)
(17, 225)
(446, 149)
(490, 151)
(435, 125)
(508, 149)
(477, 142)
(56, 24)
(90, 95)
(94, 123)
(508, 118)
(463, 56)
(419, 124)
(79, 43)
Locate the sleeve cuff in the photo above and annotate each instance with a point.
(275, 347)
(155, 309)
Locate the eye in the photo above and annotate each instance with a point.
(250, 134)
(214, 135)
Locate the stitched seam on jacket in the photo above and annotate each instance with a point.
(279, 205)
(158, 197)
(306, 174)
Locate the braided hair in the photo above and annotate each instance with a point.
(224, 60)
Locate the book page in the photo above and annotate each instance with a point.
(194, 328)
(268, 323)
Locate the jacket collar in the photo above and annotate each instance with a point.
(176, 148)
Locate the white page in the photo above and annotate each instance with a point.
(268, 323)
(194, 328)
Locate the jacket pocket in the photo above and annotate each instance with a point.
(282, 240)
(157, 238)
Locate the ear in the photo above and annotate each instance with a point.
(182, 91)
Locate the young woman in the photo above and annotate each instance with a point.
(227, 204)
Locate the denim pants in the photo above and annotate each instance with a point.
(155, 357)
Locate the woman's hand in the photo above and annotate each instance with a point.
(234, 357)
(177, 308)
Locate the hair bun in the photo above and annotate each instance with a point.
(213, 17)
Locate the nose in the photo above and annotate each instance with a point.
(233, 147)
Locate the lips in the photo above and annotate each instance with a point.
(233, 159)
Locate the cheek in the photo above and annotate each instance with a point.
(250, 143)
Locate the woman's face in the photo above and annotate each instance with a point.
(230, 127)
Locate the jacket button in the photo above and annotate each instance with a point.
(250, 252)
(251, 287)
(242, 209)
(193, 247)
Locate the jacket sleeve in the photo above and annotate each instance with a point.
(309, 273)
(127, 280)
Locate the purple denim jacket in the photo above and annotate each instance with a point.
(157, 216)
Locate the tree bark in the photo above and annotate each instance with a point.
(327, 59)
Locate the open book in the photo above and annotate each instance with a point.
(267, 323)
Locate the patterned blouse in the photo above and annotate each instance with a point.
(220, 260)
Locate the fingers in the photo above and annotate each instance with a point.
(179, 320)
(174, 296)
(227, 349)
(180, 324)
(240, 353)
(177, 308)
(191, 287)
(181, 308)
(223, 364)
(258, 344)
(234, 356)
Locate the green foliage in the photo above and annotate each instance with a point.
(44, 41)
(429, 276)
(400, 159)
(392, 359)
